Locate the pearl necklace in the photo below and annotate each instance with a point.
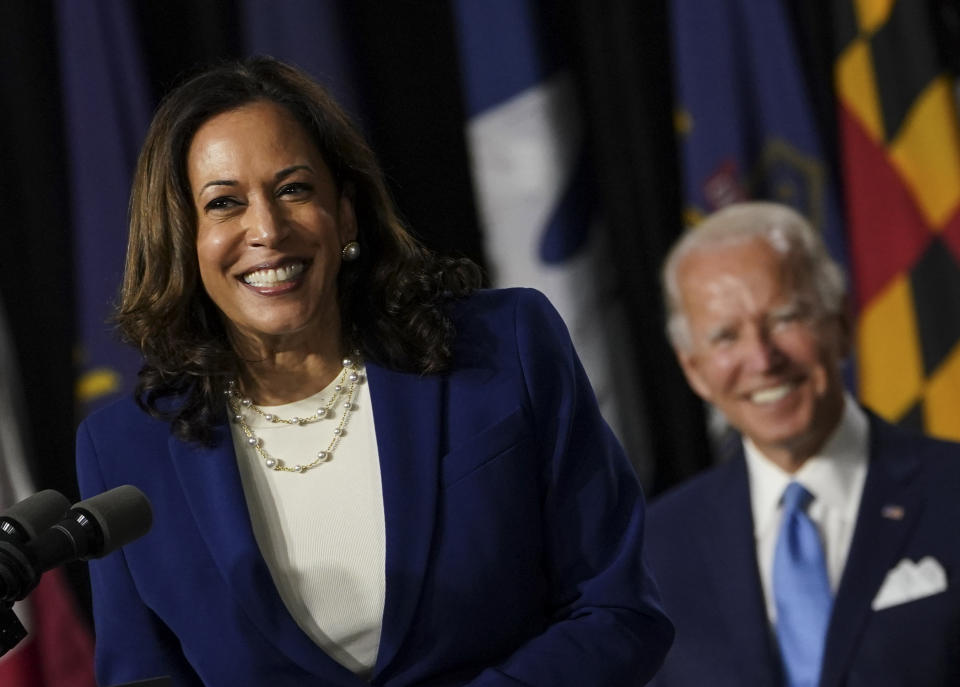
(350, 376)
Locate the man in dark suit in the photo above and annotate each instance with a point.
(825, 547)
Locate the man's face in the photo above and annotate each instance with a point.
(759, 350)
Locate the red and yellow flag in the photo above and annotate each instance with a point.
(900, 158)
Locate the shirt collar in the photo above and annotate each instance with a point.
(834, 475)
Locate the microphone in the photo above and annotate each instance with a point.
(19, 524)
(22, 521)
(91, 529)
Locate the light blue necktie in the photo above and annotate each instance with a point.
(801, 590)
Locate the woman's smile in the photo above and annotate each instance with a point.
(281, 275)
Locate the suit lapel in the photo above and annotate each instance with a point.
(407, 413)
(211, 484)
(877, 542)
(732, 561)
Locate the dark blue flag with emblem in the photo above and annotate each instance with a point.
(107, 110)
(744, 115)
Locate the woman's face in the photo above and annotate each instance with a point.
(270, 225)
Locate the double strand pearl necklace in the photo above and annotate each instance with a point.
(350, 376)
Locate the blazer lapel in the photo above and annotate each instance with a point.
(407, 414)
(730, 556)
(211, 484)
(877, 542)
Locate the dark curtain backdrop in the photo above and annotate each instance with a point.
(409, 102)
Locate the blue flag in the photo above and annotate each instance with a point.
(745, 117)
(107, 110)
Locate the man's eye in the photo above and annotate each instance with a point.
(787, 317)
(724, 336)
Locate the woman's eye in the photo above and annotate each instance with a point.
(221, 203)
(294, 188)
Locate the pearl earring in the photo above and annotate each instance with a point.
(350, 251)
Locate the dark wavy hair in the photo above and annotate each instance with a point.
(392, 299)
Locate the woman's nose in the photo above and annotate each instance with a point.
(265, 225)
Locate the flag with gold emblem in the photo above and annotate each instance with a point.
(900, 151)
(745, 119)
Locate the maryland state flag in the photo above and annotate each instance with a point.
(900, 151)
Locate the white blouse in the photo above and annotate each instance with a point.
(322, 531)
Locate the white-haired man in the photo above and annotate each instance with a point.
(824, 549)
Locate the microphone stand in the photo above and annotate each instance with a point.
(17, 578)
(12, 630)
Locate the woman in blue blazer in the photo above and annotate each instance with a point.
(362, 469)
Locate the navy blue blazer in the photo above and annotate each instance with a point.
(514, 530)
(701, 547)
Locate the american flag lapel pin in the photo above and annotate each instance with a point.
(892, 512)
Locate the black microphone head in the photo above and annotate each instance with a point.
(37, 513)
(122, 514)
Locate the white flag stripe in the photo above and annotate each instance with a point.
(523, 153)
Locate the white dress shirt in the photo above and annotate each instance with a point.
(834, 476)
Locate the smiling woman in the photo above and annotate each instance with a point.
(271, 224)
(389, 304)
(363, 469)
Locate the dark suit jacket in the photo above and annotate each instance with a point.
(701, 548)
(514, 530)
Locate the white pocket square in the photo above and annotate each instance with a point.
(910, 581)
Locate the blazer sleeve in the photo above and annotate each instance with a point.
(131, 643)
(607, 626)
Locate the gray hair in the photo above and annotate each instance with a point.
(784, 229)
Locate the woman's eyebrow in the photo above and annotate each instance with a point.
(287, 171)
